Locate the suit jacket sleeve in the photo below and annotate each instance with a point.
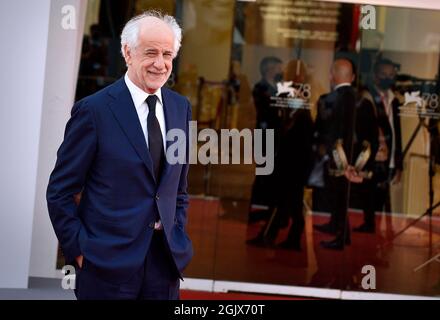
(182, 200)
(345, 111)
(74, 158)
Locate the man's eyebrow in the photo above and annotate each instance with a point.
(153, 50)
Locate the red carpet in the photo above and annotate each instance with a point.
(201, 295)
(218, 229)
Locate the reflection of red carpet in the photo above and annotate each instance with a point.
(219, 231)
(201, 295)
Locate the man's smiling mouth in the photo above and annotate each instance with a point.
(156, 73)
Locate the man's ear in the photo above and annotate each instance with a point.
(127, 55)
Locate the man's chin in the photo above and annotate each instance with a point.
(156, 83)
(154, 86)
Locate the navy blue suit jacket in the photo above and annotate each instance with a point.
(104, 156)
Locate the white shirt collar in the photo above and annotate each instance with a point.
(138, 95)
(344, 84)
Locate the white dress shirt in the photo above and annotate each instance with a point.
(387, 98)
(343, 84)
(139, 97)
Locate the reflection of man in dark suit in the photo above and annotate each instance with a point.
(271, 73)
(292, 167)
(127, 235)
(388, 160)
(335, 125)
(267, 118)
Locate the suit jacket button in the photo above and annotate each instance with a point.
(157, 197)
(151, 225)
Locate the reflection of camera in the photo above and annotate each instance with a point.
(429, 91)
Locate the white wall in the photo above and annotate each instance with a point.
(63, 56)
(38, 66)
(22, 64)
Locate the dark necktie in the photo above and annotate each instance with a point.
(155, 141)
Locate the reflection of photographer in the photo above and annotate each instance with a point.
(388, 159)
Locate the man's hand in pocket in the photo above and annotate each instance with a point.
(79, 261)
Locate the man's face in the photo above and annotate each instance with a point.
(385, 76)
(150, 63)
(275, 72)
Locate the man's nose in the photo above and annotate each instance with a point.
(159, 62)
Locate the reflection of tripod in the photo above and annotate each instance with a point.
(433, 153)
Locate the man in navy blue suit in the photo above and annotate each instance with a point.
(126, 235)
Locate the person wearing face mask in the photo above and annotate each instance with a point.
(268, 117)
(388, 159)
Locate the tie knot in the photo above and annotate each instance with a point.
(151, 101)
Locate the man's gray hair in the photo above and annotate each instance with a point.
(130, 33)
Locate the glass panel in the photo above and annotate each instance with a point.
(203, 66)
(300, 40)
(281, 56)
(270, 65)
(399, 69)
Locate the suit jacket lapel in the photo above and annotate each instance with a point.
(125, 113)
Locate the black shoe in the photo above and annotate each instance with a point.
(365, 228)
(290, 245)
(325, 228)
(336, 244)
